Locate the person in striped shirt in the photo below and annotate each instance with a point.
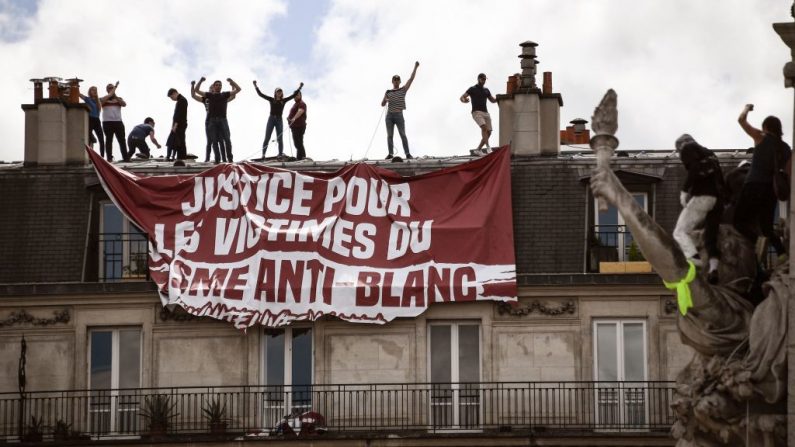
(396, 98)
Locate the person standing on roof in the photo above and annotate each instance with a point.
(218, 126)
(480, 112)
(137, 138)
(179, 123)
(277, 102)
(757, 201)
(95, 133)
(396, 98)
(296, 119)
(112, 124)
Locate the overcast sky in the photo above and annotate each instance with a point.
(677, 65)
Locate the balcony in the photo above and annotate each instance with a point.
(611, 249)
(122, 257)
(431, 408)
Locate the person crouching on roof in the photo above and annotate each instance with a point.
(701, 201)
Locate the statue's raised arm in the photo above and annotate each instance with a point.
(657, 245)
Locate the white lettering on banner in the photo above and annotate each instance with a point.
(403, 236)
(159, 250)
(186, 240)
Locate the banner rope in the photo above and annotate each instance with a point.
(378, 123)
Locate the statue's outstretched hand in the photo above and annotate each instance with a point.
(605, 184)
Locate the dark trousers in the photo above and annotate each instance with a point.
(179, 141)
(298, 140)
(218, 150)
(95, 134)
(137, 144)
(218, 129)
(274, 122)
(396, 119)
(116, 128)
(757, 206)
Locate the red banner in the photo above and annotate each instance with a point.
(252, 244)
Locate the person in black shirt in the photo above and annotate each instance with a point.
(220, 149)
(277, 102)
(179, 123)
(701, 201)
(217, 124)
(480, 113)
(757, 202)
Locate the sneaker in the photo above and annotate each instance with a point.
(697, 261)
(191, 156)
(143, 156)
(389, 157)
(408, 156)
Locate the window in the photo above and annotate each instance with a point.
(114, 377)
(620, 370)
(611, 231)
(454, 359)
(287, 370)
(122, 247)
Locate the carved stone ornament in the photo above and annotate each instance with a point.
(178, 314)
(23, 317)
(569, 307)
(670, 306)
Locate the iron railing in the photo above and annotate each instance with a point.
(432, 407)
(122, 256)
(611, 243)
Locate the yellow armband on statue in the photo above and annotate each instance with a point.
(682, 287)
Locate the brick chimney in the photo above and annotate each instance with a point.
(56, 127)
(577, 133)
(530, 116)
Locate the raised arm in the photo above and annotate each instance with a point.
(752, 131)
(110, 93)
(262, 95)
(293, 95)
(193, 93)
(413, 73)
(198, 90)
(235, 88)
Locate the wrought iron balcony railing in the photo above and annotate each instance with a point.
(122, 256)
(431, 407)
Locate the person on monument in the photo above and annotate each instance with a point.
(137, 138)
(702, 202)
(480, 112)
(757, 202)
(396, 98)
(112, 123)
(218, 125)
(277, 102)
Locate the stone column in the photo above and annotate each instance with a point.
(787, 33)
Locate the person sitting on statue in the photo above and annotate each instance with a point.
(701, 202)
(757, 202)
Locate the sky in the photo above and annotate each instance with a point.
(677, 65)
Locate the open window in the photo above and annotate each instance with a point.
(122, 247)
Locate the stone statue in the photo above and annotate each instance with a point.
(733, 392)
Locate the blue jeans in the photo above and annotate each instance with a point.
(218, 132)
(220, 155)
(273, 122)
(392, 119)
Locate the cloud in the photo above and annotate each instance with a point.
(678, 66)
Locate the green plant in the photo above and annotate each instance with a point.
(635, 253)
(157, 411)
(34, 432)
(138, 265)
(62, 430)
(215, 413)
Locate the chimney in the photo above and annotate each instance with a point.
(577, 133)
(56, 127)
(529, 116)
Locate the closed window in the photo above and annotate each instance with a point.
(122, 246)
(287, 366)
(454, 359)
(114, 379)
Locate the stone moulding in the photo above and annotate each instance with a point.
(176, 315)
(23, 317)
(536, 306)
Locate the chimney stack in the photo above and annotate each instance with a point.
(529, 116)
(577, 133)
(56, 127)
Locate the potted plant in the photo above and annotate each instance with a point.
(158, 411)
(215, 413)
(61, 431)
(34, 432)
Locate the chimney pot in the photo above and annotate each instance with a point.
(547, 85)
(38, 91)
(579, 124)
(52, 86)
